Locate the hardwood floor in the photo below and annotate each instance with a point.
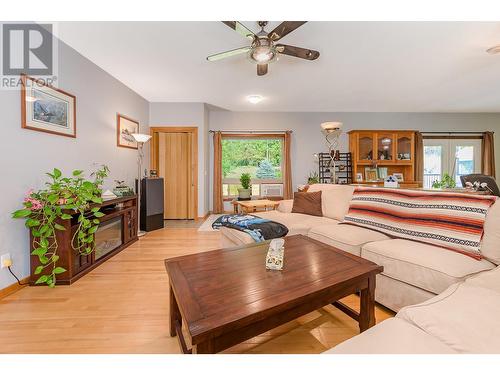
(122, 307)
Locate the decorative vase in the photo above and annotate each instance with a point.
(244, 193)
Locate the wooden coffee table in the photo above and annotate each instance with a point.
(227, 296)
(257, 204)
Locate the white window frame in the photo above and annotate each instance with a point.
(256, 181)
(448, 156)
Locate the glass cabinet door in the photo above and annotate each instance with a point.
(385, 149)
(365, 147)
(404, 147)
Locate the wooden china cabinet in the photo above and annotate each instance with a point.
(391, 151)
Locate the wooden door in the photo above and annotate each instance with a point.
(174, 162)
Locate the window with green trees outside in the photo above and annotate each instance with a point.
(261, 157)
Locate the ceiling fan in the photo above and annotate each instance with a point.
(264, 49)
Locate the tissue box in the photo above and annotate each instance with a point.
(391, 184)
(275, 254)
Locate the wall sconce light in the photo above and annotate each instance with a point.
(332, 130)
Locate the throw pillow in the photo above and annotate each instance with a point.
(307, 203)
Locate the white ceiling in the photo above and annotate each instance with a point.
(363, 67)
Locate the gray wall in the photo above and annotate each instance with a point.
(307, 138)
(188, 114)
(27, 155)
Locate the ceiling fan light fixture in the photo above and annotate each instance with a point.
(263, 54)
(255, 99)
(263, 49)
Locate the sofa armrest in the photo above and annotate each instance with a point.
(285, 206)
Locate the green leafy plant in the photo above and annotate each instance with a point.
(245, 180)
(313, 178)
(63, 198)
(447, 182)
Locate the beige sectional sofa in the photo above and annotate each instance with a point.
(462, 319)
(413, 272)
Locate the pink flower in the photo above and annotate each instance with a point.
(35, 203)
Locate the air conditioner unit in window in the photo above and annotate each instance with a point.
(271, 190)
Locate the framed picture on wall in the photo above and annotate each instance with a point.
(47, 109)
(382, 172)
(371, 174)
(125, 127)
(399, 177)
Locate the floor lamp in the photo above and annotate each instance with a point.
(331, 130)
(140, 139)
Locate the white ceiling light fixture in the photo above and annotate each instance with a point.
(255, 99)
(494, 50)
(263, 52)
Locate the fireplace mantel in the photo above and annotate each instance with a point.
(76, 264)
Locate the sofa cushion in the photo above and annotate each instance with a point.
(490, 245)
(425, 266)
(233, 237)
(307, 203)
(296, 223)
(345, 237)
(392, 336)
(396, 294)
(464, 317)
(285, 206)
(334, 199)
(488, 280)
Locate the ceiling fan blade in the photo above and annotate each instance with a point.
(223, 55)
(302, 53)
(261, 69)
(240, 29)
(284, 28)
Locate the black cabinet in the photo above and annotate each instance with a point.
(152, 204)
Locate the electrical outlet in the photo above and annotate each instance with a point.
(5, 260)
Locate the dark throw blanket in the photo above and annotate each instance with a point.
(259, 229)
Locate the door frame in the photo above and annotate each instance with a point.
(154, 152)
(448, 148)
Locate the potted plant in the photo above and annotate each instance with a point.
(245, 191)
(447, 182)
(313, 178)
(62, 199)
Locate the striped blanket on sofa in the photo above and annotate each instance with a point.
(450, 220)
